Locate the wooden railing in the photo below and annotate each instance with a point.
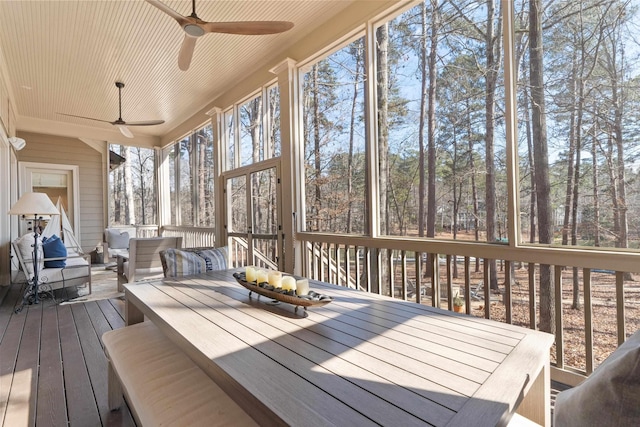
(146, 231)
(435, 271)
(239, 255)
(192, 237)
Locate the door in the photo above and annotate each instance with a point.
(252, 214)
(57, 181)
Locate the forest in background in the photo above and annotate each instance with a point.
(441, 128)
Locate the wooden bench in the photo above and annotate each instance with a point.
(162, 385)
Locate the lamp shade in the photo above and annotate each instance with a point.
(34, 204)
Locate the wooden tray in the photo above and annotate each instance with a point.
(289, 299)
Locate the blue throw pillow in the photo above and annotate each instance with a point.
(53, 247)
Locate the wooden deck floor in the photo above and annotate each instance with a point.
(53, 371)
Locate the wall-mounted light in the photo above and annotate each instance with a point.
(18, 143)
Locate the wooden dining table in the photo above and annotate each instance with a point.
(362, 359)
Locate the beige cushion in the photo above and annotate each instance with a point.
(76, 267)
(609, 397)
(117, 239)
(163, 385)
(25, 246)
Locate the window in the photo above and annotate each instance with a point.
(589, 74)
(334, 140)
(132, 186)
(439, 145)
(252, 129)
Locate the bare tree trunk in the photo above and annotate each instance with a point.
(541, 157)
(143, 195)
(623, 232)
(202, 181)
(357, 52)
(422, 185)
(571, 175)
(383, 144)
(316, 146)
(492, 49)
(128, 188)
(431, 111)
(532, 175)
(474, 197)
(255, 115)
(612, 179)
(595, 182)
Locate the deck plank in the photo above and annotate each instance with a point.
(94, 357)
(80, 400)
(113, 314)
(21, 406)
(51, 408)
(103, 322)
(9, 348)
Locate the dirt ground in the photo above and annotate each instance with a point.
(605, 338)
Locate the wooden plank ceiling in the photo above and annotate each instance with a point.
(65, 57)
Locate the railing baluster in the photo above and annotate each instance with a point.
(403, 255)
(449, 284)
(622, 335)
(507, 291)
(417, 259)
(588, 319)
(358, 267)
(391, 273)
(486, 264)
(559, 315)
(367, 268)
(467, 284)
(435, 280)
(533, 317)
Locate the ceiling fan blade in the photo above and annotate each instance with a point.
(125, 131)
(83, 117)
(146, 123)
(186, 52)
(166, 9)
(249, 28)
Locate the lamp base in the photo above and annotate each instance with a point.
(33, 294)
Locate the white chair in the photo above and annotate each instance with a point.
(77, 269)
(143, 260)
(116, 242)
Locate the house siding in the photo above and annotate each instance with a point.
(71, 151)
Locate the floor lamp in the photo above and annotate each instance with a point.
(33, 205)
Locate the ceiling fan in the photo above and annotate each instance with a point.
(195, 27)
(121, 124)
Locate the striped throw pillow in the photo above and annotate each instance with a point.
(183, 263)
(215, 259)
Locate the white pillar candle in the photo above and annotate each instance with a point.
(261, 276)
(302, 287)
(288, 283)
(250, 274)
(275, 278)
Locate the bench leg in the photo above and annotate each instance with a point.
(536, 405)
(114, 389)
(132, 314)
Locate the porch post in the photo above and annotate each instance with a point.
(292, 162)
(163, 197)
(511, 123)
(219, 162)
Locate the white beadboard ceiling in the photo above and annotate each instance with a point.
(65, 57)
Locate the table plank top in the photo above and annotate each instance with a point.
(363, 359)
